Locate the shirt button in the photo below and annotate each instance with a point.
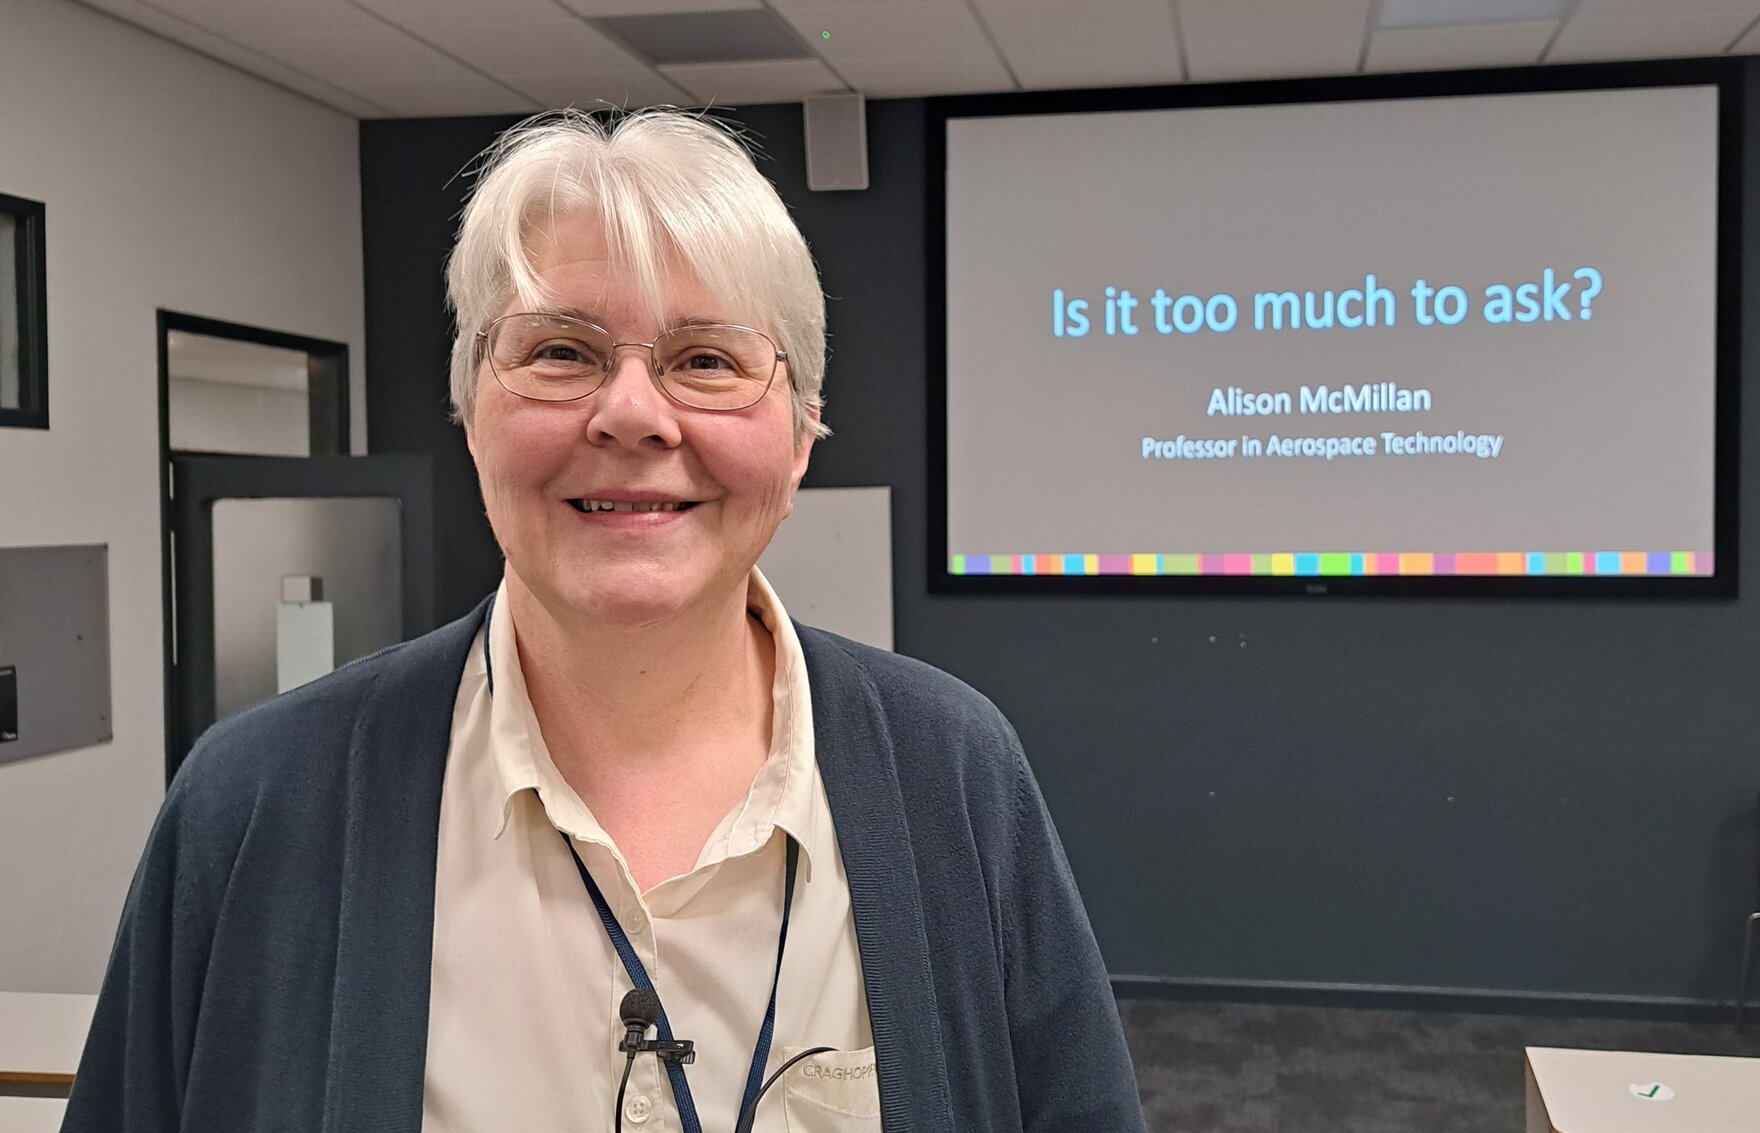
(635, 923)
(638, 1109)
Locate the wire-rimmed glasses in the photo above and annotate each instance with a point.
(715, 366)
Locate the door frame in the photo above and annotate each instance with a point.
(198, 481)
(330, 433)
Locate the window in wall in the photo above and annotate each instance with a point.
(24, 394)
(238, 397)
(245, 391)
(8, 313)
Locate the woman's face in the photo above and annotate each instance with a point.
(539, 462)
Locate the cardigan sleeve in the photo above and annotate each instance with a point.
(136, 1062)
(1072, 1068)
(1015, 976)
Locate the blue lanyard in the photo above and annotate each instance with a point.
(681, 1090)
(632, 963)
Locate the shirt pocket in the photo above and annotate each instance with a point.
(832, 1092)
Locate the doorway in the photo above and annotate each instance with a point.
(277, 544)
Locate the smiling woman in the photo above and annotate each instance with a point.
(420, 892)
(681, 574)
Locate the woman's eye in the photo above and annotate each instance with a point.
(702, 361)
(565, 353)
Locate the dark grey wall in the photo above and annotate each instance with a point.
(1505, 797)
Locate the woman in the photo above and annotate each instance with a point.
(417, 893)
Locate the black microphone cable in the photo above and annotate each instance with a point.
(749, 1117)
(639, 1010)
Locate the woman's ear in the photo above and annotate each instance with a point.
(803, 448)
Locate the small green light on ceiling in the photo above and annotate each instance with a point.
(824, 35)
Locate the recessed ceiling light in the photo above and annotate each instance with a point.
(1448, 13)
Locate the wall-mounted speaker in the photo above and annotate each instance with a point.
(837, 141)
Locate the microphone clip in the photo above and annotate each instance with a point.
(639, 1011)
(681, 1052)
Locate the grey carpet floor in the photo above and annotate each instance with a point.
(1249, 1068)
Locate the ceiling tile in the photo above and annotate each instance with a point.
(376, 54)
(411, 12)
(1060, 26)
(337, 99)
(224, 50)
(1070, 70)
(732, 84)
(1467, 45)
(1749, 44)
(457, 95)
(269, 17)
(892, 31)
(649, 7)
(781, 4)
(1272, 57)
(917, 76)
(1584, 40)
(128, 10)
(593, 89)
(1250, 19)
(504, 48)
(1664, 9)
(318, 89)
(1454, 13)
(170, 27)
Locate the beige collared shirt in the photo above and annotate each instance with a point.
(523, 1004)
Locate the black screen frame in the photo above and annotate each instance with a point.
(1728, 76)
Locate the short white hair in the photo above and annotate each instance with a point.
(668, 186)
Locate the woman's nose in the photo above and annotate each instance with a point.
(630, 409)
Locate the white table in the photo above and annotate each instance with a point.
(41, 1037)
(31, 1115)
(1620, 1091)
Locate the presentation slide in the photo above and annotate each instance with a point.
(1439, 336)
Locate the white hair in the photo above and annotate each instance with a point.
(667, 186)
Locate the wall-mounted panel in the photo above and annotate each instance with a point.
(54, 649)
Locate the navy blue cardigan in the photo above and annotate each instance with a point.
(271, 970)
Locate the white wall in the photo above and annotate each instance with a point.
(171, 181)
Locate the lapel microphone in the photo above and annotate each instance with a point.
(639, 1011)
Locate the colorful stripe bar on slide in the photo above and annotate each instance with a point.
(1322, 564)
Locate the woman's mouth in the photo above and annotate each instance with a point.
(587, 506)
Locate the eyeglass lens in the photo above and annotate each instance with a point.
(551, 358)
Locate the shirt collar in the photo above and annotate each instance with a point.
(782, 793)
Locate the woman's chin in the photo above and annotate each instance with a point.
(627, 605)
